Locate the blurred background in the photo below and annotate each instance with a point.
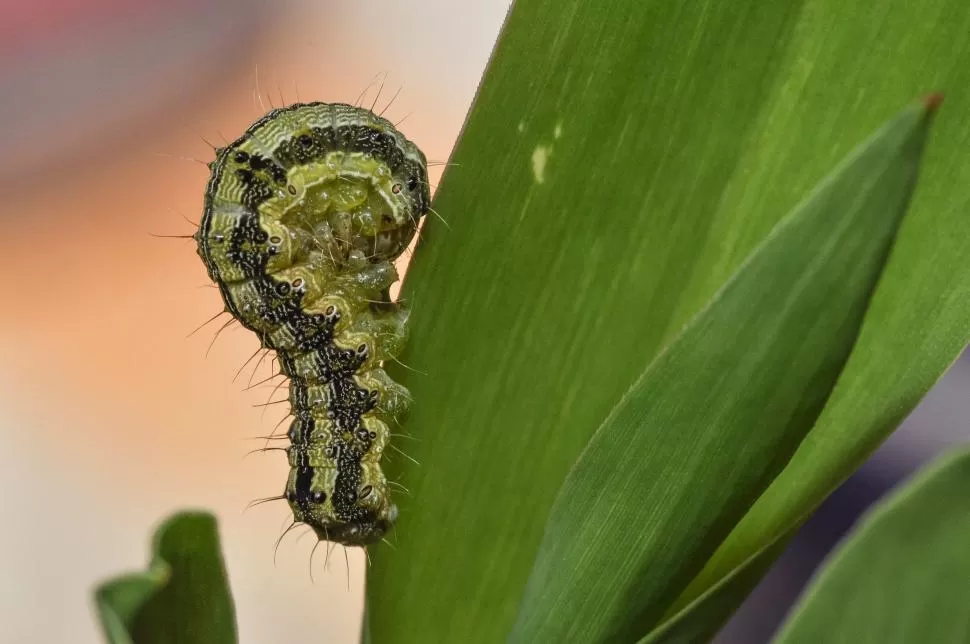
(110, 416)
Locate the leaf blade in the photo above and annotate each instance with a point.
(901, 575)
(523, 328)
(919, 319)
(664, 178)
(184, 595)
(716, 416)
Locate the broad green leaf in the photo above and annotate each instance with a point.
(719, 412)
(559, 275)
(619, 162)
(904, 574)
(919, 319)
(184, 595)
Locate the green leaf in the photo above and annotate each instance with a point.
(919, 319)
(184, 595)
(699, 620)
(903, 574)
(540, 302)
(685, 130)
(119, 600)
(718, 414)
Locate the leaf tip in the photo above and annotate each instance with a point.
(932, 101)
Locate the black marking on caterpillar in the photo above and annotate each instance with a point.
(303, 217)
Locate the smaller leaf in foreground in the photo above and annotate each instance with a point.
(904, 574)
(182, 597)
(119, 600)
(717, 415)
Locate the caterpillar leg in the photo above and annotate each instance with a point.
(387, 328)
(391, 400)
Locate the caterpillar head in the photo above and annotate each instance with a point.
(350, 506)
(361, 532)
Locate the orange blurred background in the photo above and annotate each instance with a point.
(110, 417)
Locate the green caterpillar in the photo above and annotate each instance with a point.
(304, 215)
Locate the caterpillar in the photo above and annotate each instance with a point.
(302, 218)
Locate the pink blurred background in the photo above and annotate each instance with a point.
(109, 416)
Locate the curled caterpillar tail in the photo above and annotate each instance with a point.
(304, 215)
